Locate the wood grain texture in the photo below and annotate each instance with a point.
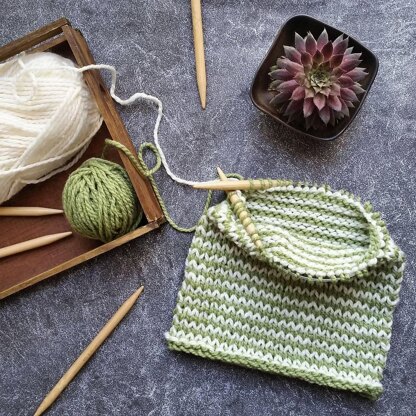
(115, 125)
(32, 39)
(37, 242)
(27, 268)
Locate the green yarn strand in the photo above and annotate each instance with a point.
(141, 167)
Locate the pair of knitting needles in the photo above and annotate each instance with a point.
(36, 242)
(231, 187)
(239, 208)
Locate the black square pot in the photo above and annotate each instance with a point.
(261, 96)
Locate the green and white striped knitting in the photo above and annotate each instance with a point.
(316, 302)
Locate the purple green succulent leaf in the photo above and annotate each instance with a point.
(357, 88)
(280, 98)
(320, 101)
(310, 44)
(357, 74)
(298, 93)
(288, 85)
(318, 58)
(334, 102)
(327, 51)
(345, 81)
(281, 74)
(344, 109)
(322, 40)
(308, 107)
(348, 95)
(336, 60)
(325, 114)
(341, 47)
(293, 54)
(306, 59)
(300, 43)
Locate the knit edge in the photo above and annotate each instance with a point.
(369, 391)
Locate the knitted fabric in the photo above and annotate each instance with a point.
(316, 302)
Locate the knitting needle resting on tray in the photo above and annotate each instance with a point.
(241, 212)
(28, 211)
(31, 244)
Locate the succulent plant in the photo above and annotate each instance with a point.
(317, 80)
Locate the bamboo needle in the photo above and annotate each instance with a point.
(28, 211)
(31, 244)
(88, 352)
(243, 214)
(201, 76)
(243, 185)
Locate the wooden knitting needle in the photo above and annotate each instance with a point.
(243, 215)
(243, 185)
(31, 244)
(201, 75)
(89, 351)
(28, 211)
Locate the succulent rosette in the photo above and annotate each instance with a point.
(317, 80)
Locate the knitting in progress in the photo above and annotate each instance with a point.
(315, 302)
(47, 118)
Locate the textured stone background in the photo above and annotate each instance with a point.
(44, 328)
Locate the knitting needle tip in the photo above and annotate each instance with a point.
(31, 244)
(221, 174)
(201, 75)
(137, 293)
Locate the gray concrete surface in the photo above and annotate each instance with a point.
(44, 328)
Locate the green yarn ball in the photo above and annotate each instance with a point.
(99, 201)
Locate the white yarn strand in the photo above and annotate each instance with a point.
(132, 99)
(48, 118)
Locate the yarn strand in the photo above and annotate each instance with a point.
(72, 105)
(132, 99)
(141, 168)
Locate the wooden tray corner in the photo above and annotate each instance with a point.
(25, 269)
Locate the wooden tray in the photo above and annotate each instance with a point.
(25, 269)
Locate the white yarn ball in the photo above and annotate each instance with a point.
(47, 119)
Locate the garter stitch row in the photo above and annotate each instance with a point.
(316, 302)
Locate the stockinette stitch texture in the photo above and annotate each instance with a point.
(316, 302)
